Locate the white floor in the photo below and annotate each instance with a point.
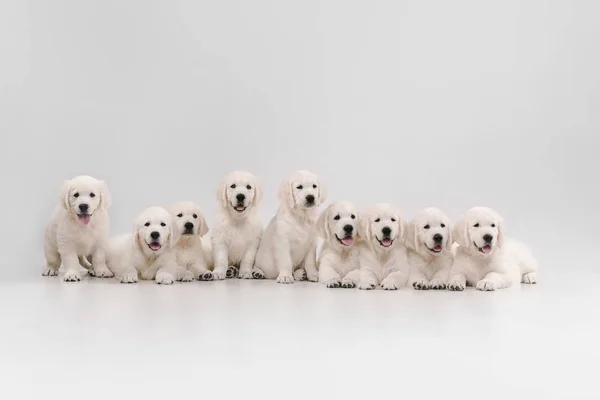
(99, 339)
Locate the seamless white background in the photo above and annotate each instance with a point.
(418, 103)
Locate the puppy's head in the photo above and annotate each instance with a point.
(301, 190)
(338, 224)
(155, 231)
(429, 232)
(84, 195)
(481, 231)
(382, 225)
(239, 192)
(189, 219)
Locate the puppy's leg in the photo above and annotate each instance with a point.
(310, 263)
(221, 258)
(248, 261)
(328, 276)
(129, 275)
(493, 281)
(199, 269)
(351, 279)
(71, 263)
(458, 277)
(53, 260)
(529, 278)
(283, 260)
(183, 274)
(99, 267)
(166, 275)
(394, 281)
(368, 280)
(300, 274)
(418, 280)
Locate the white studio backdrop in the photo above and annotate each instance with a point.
(416, 103)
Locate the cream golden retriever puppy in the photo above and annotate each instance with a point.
(338, 262)
(383, 256)
(191, 226)
(484, 258)
(237, 229)
(149, 252)
(78, 229)
(429, 243)
(288, 248)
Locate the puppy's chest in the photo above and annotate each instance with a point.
(300, 235)
(241, 236)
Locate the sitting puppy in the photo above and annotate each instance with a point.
(429, 242)
(483, 258)
(238, 228)
(78, 230)
(148, 253)
(192, 227)
(338, 261)
(383, 256)
(288, 248)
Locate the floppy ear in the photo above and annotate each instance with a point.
(364, 224)
(285, 194)
(105, 198)
(174, 233)
(322, 193)
(501, 234)
(448, 245)
(401, 228)
(412, 241)
(222, 194)
(203, 228)
(135, 242)
(64, 195)
(258, 192)
(323, 224)
(461, 233)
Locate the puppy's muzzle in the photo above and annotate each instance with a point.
(348, 239)
(240, 206)
(83, 215)
(154, 245)
(188, 228)
(310, 200)
(487, 248)
(386, 241)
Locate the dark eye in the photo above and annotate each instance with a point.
(337, 217)
(377, 220)
(314, 186)
(299, 187)
(232, 186)
(147, 224)
(92, 195)
(180, 215)
(443, 225)
(163, 224)
(195, 215)
(248, 187)
(493, 225)
(76, 195)
(476, 225)
(353, 216)
(393, 219)
(426, 226)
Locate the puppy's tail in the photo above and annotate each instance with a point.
(84, 262)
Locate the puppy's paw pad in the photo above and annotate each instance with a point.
(285, 279)
(421, 284)
(245, 274)
(389, 285)
(333, 283)
(164, 278)
(129, 278)
(366, 285)
(486, 285)
(71, 276)
(300, 275)
(437, 285)
(187, 276)
(529, 279)
(456, 286)
(257, 274)
(348, 284)
(50, 272)
(205, 276)
(232, 272)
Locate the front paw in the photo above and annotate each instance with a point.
(456, 286)
(285, 279)
(50, 272)
(205, 276)
(437, 285)
(101, 271)
(529, 278)
(186, 276)
(232, 272)
(245, 274)
(257, 273)
(164, 278)
(129, 277)
(348, 283)
(313, 277)
(333, 283)
(366, 285)
(72, 276)
(300, 274)
(420, 284)
(486, 285)
(219, 275)
(389, 285)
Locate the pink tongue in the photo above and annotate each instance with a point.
(437, 248)
(386, 242)
(486, 249)
(154, 246)
(85, 219)
(239, 208)
(348, 241)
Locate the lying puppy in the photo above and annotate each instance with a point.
(383, 256)
(192, 227)
(429, 242)
(483, 258)
(238, 228)
(78, 230)
(148, 253)
(338, 262)
(288, 248)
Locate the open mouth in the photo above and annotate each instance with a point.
(436, 249)
(487, 249)
(188, 232)
(239, 208)
(385, 242)
(154, 246)
(346, 241)
(84, 218)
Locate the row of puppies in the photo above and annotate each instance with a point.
(373, 248)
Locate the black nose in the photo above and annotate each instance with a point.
(438, 238)
(240, 197)
(155, 235)
(83, 207)
(348, 228)
(189, 226)
(310, 199)
(488, 238)
(386, 230)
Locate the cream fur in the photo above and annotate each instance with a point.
(130, 256)
(379, 265)
(429, 261)
(288, 248)
(68, 240)
(507, 263)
